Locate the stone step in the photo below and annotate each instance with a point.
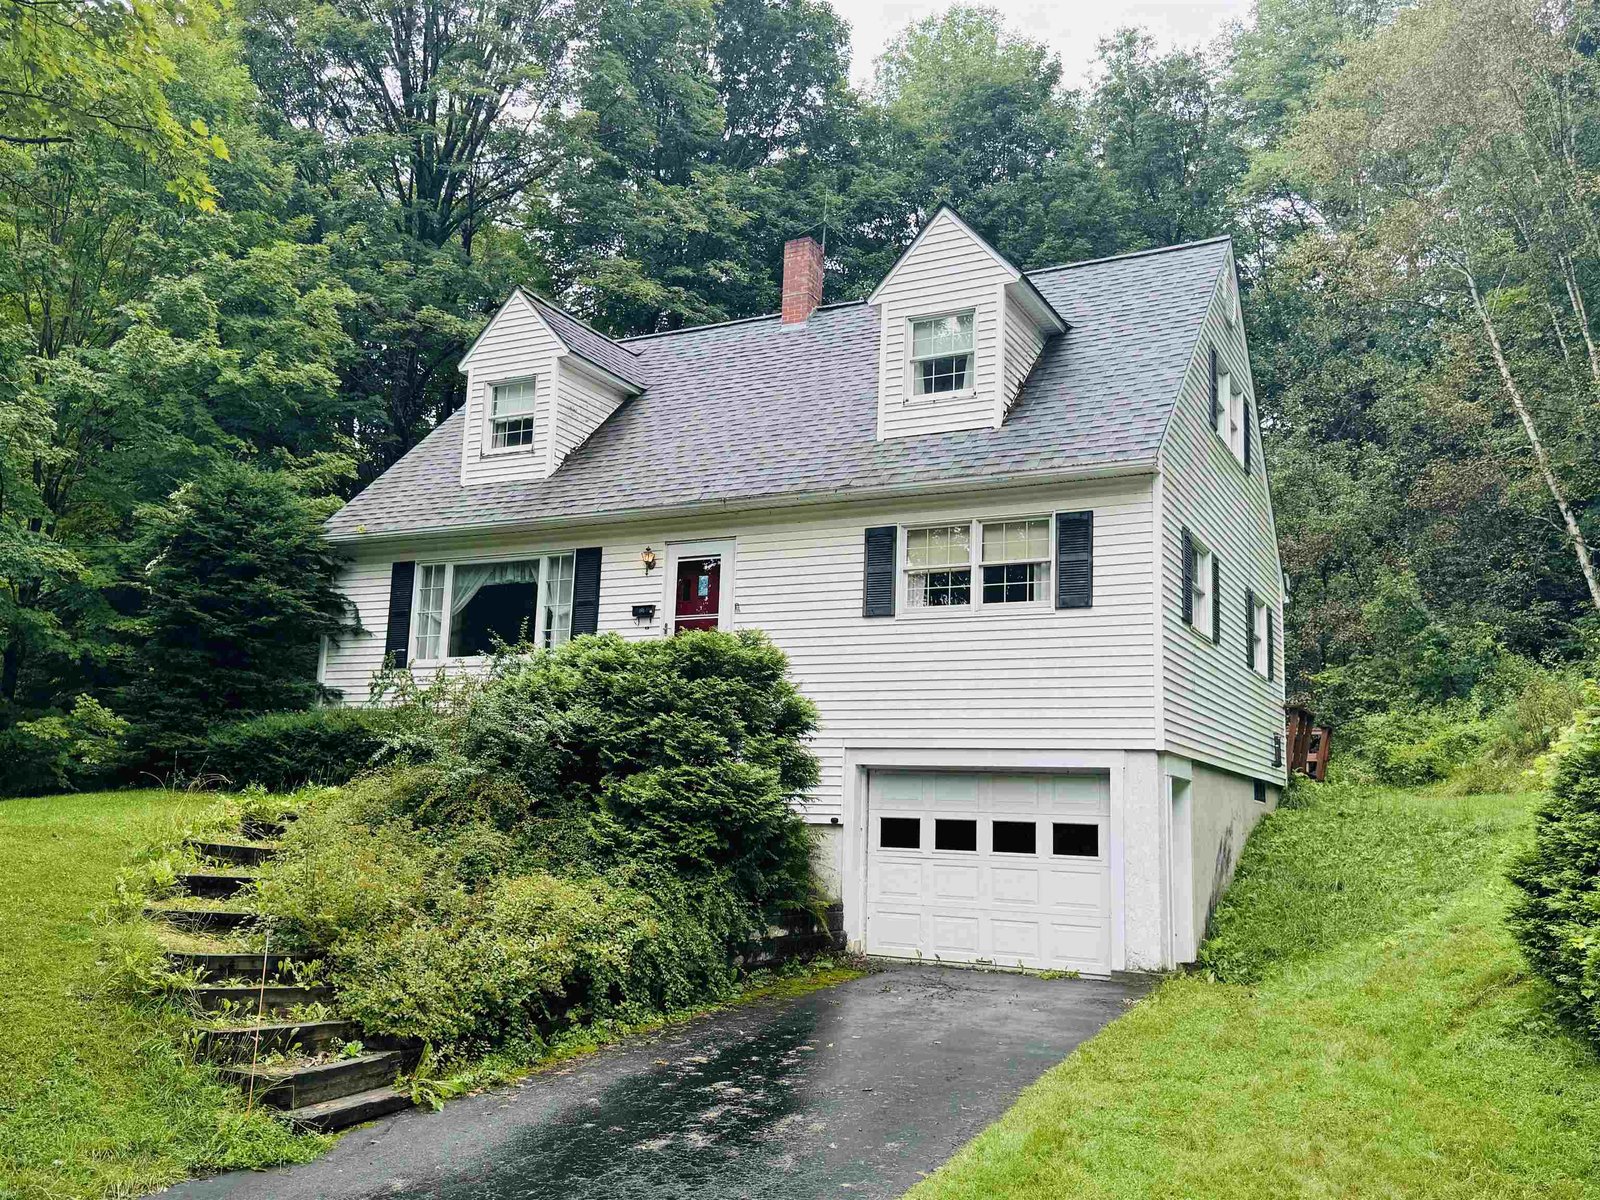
(239, 964)
(291, 1086)
(245, 854)
(235, 1043)
(200, 919)
(350, 1110)
(275, 997)
(215, 885)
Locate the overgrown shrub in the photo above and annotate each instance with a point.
(1483, 742)
(288, 750)
(1557, 918)
(594, 832)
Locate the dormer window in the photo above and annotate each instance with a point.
(511, 415)
(941, 354)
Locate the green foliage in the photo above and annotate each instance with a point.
(240, 589)
(1557, 918)
(1483, 740)
(591, 834)
(283, 751)
(62, 752)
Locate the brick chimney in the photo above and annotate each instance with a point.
(802, 279)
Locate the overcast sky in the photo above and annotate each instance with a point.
(1071, 27)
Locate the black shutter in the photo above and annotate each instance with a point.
(1250, 628)
(397, 637)
(586, 590)
(877, 585)
(1216, 396)
(1186, 551)
(1247, 438)
(1216, 599)
(1272, 645)
(1075, 559)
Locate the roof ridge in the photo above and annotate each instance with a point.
(1089, 262)
(661, 333)
(541, 298)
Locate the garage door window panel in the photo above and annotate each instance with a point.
(900, 833)
(1014, 837)
(1075, 839)
(954, 834)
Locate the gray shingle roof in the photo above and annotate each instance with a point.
(751, 410)
(590, 344)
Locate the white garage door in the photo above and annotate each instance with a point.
(1009, 870)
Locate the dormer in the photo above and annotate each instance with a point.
(539, 382)
(959, 330)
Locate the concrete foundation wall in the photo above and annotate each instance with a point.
(1225, 810)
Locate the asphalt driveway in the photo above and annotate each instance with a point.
(855, 1090)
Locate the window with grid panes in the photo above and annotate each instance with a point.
(939, 566)
(941, 354)
(511, 415)
(1016, 561)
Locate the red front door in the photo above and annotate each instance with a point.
(699, 604)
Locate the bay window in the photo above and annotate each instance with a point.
(463, 610)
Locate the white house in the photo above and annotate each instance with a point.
(1012, 530)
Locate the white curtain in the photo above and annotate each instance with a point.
(470, 578)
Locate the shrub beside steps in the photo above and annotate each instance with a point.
(263, 1017)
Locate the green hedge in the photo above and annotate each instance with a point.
(288, 750)
(1557, 918)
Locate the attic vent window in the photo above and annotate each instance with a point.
(511, 415)
(941, 354)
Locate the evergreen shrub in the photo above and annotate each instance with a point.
(1557, 916)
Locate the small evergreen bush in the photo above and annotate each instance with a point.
(288, 750)
(1557, 917)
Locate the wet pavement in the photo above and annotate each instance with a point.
(856, 1090)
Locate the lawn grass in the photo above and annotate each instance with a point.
(1391, 1043)
(95, 1099)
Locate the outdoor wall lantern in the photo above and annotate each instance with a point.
(648, 558)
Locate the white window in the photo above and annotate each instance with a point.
(511, 415)
(1009, 560)
(1201, 581)
(1016, 561)
(465, 610)
(941, 354)
(1258, 627)
(939, 566)
(427, 620)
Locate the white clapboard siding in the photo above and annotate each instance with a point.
(1214, 707)
(516, 345)
(583, 402)
(1068, 679)
(1023, 341)
(948, 270)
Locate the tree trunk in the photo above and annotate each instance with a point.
(1580, 546)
